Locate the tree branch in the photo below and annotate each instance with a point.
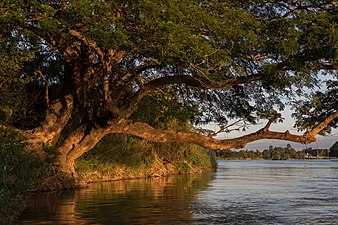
(90, 43)
(137, 70)
(145, 131)
(194, 82)
(313, 6)
(57, 116)
(271, 120)
(323, 124)
(46, 87)
(79, 142)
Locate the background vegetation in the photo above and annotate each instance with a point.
(276, 153)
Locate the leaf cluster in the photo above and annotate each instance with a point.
(285, 43)
(309, 113)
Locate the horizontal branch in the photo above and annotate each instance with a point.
(80, 142)
(193, 82)
(145, 131)
(230, 82)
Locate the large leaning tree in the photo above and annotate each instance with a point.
(74, 71)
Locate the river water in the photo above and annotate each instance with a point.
(239, 192)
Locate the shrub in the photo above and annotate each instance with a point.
(19, 173)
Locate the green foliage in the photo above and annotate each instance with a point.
(121, 156)
(309, 113)
(19, 173)
(122, 150)
(162, 109)
(201, 158)
(214, 41)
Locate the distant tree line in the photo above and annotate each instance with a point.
(274, 153)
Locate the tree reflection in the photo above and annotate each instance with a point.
(152, 201)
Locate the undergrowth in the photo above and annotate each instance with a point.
(19, 173)
(125, 156)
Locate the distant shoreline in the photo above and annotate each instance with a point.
(309, 158)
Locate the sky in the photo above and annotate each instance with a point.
(323, 142)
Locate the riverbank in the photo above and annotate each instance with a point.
(239, 192)
(132, 158)
(116, 157)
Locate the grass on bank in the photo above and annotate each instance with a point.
(124, 156)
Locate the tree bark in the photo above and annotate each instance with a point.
(145, 131)
(76, 144)
(48, 133)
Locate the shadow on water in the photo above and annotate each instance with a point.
(150, 201)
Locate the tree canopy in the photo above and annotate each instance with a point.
(84, 69)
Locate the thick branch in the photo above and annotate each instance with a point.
(166, 136)
(57, 116)
(90, 43)
(150, 133)
(194, 82)
(323, 124)
(80, 142)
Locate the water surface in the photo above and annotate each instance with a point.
(240, 192)
(271, 192)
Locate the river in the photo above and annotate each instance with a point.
(239, 192)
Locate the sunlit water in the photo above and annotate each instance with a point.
(240, 192)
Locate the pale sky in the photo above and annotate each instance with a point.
(288, 123)
(323, 142)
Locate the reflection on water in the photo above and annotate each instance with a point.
(153, 201)
(240, 192)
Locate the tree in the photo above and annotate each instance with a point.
(75, 71)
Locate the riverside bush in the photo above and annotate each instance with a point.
(19, 173)
(125, 155)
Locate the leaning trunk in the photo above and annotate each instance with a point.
(75, 145)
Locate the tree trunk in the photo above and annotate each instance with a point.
(48, 133)
(76, 144)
